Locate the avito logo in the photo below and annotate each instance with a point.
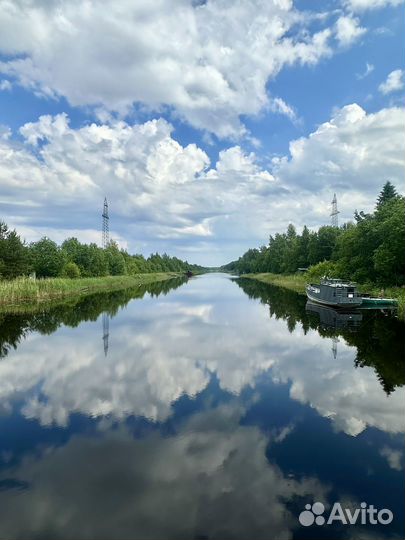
(366, 514)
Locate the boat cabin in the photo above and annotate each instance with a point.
(334, 292)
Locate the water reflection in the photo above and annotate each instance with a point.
(207, 418)
(106, 331)
(331, 318)
(16, 326)
(376, 335)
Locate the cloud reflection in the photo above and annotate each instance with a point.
(161, 349)
(211, 480)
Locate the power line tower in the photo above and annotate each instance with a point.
(105, 240)
(335, 212)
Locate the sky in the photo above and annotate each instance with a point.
(208, 125)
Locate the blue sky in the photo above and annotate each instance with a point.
(207, 125)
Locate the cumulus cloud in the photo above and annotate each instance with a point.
(353, 151)
(209, 62)
(170, 197)
(348, 30)
(395, 81)
(158, 190)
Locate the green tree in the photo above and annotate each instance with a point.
(389, 255)
(116, 260)
(47, 258)
(303, 248)
(14, 256)
(388, 193)
(289, 262)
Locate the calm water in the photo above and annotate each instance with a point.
(207, 409)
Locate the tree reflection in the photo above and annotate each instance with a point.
(377, 335)
(15, 327)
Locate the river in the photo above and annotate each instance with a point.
(208, 408)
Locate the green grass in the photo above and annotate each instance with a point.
(297, 282)
(294, 282)
(34, 291)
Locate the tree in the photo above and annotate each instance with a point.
(14, 257)
(387, 193)
(389, 255)
(290, 252)
(303, 248)
(116, 260)
(47, 258)
(371, 249)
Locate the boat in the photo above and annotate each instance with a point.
(334, 292)
(370, 302)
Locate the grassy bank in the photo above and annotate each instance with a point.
(297, 282)
(23, 291)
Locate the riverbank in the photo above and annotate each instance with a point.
(25, 291)
(297, 282)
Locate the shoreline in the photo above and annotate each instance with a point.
(25, 292)
(297, 283)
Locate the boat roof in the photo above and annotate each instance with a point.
(336, 282)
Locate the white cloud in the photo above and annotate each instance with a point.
(353, 152)
(5, 84)
(164, 196)
(279, 106)
(369, 69)
(209, 62)
(348, 30)
(395, 81)
(362, 5)
(158, 189)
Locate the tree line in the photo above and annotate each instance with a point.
(369, 249)
(74, 259)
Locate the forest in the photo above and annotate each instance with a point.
(73, 259)
(368, 250)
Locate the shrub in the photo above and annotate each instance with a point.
(324, 268)
(71, 270)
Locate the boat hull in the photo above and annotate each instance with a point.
(349, 303)
(379, 302)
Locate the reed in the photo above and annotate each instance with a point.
(295, 282)
(26, 290)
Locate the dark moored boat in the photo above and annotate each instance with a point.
(334, 292)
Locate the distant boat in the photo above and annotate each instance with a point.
(334, 292)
